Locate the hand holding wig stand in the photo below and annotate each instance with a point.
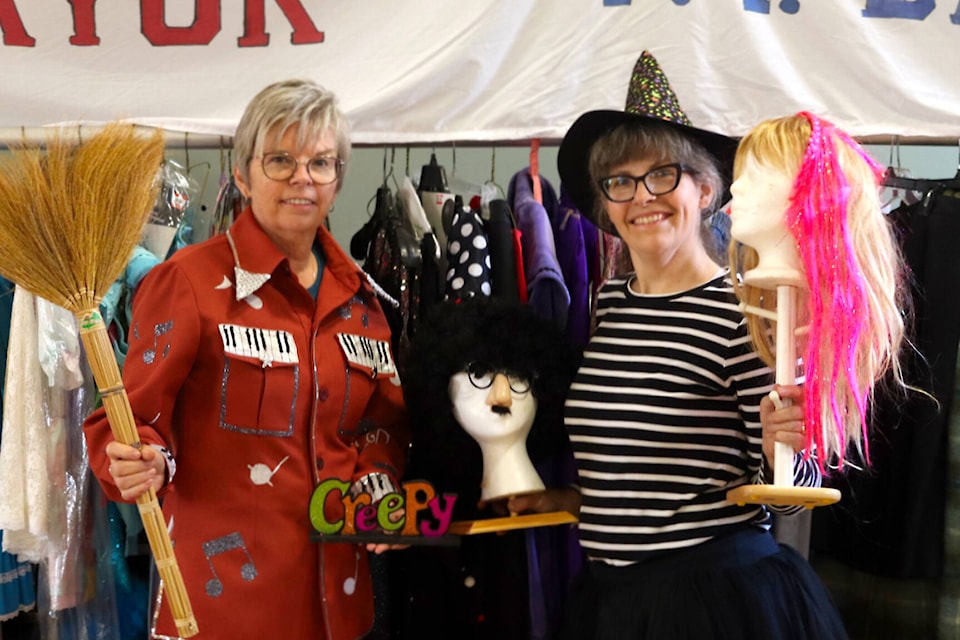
(787, 283)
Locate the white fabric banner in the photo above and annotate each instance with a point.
(410, 71)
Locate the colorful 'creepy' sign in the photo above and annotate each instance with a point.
(424, 512)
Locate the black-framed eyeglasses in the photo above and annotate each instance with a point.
(280, 166)
(481, 376)
(658, 181)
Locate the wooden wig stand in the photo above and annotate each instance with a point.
(507, 476)
(507, 472)
(526, 521)
(782, 491)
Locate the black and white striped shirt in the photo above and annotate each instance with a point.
(664, 419)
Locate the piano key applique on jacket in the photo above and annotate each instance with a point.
(266, 345)
(373, 356)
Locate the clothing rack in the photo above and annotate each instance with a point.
(11, 136)
(942, 141)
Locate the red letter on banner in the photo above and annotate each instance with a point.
(84, 23)
(255, 31)
(14, 34)
(153, 25)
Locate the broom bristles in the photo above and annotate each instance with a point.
(70, 215)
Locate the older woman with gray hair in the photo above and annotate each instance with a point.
(259, 365)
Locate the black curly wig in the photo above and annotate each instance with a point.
(507, 336)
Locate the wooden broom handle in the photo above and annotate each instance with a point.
(100, 354)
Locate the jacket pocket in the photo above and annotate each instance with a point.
(368, 356)
(258, 390)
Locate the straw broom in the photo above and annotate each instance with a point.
(70, 216)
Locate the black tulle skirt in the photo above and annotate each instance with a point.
(743, 587)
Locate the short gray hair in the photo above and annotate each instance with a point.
(277, 107)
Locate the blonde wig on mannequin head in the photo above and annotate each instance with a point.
(853, 269)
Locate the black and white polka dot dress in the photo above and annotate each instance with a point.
(468, 257)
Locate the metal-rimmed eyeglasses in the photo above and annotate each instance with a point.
(481, 376)
(280, 166)
(658, 181)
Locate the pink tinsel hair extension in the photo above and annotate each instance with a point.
(817, 217)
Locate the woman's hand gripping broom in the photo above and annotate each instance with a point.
(70, 216)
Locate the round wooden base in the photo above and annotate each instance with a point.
(809, 497)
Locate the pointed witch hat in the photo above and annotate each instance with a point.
(649, 99)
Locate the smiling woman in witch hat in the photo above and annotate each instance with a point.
(652, 104)
(668, 408)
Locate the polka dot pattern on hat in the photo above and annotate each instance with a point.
(468, 257)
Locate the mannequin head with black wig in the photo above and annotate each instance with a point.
(484, 383)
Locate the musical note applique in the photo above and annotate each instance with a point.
(150, 355)
(261, 473)
(350, 584)
(346, 311)
(221, 545)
